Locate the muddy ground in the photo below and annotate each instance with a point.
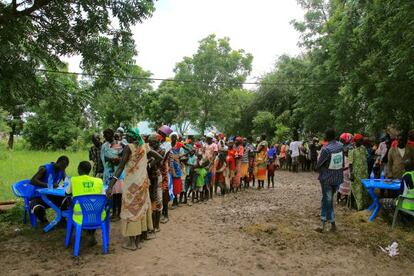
(255, 232)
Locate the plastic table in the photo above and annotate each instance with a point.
(371, 185)
(44, 193)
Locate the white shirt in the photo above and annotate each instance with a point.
(294, 147)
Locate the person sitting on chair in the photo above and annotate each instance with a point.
(406, 189)
(84, 185)
(54, 172)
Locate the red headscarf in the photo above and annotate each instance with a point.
(357, 137)
(346, 137)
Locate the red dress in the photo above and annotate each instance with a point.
(239, 154)
(231, 162)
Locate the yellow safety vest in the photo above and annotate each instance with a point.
(85, 185)
(410, 194)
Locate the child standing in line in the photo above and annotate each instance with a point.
(201, 173)
(190, 181)
(271, 167)
(220, 180)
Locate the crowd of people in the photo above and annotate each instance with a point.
(142, 174)
(343, 165)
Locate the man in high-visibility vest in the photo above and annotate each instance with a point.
(85, 185)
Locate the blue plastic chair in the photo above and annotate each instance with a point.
(92, 207)
(26, 191)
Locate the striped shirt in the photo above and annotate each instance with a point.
(326, 175)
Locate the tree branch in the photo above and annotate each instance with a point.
(38, 4)
(14, 5)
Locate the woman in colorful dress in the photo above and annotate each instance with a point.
(231, 165)
(358, 168)
(136, 213)
(261, 160)
(237, 157)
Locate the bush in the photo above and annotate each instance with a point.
(43, 132)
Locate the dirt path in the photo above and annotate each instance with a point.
(267, 232)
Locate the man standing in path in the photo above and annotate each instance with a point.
(330, 166)
(295, 152)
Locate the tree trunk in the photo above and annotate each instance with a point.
(10, 143)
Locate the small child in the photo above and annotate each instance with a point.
(271, 167)
(189, 188)
(201, 173)
(220, 180)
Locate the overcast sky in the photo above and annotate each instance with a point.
(261, 27)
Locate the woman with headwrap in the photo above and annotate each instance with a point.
(358, 169)
(238, 157)
(136, 214)
(261, 162)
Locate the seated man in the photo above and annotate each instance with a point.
(84, 185)
(55, 172)
(406, 189)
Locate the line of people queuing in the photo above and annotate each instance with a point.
(146, 172)
(143, 174)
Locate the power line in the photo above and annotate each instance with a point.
(175, 80)
(212, 82)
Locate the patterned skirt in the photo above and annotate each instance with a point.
(244, 170)
(261, 171)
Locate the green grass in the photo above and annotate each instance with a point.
(23, 164)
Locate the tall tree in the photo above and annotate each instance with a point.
(58, 118)
(36, 33)
(169, 105)
(210, 73)
(228, 113)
